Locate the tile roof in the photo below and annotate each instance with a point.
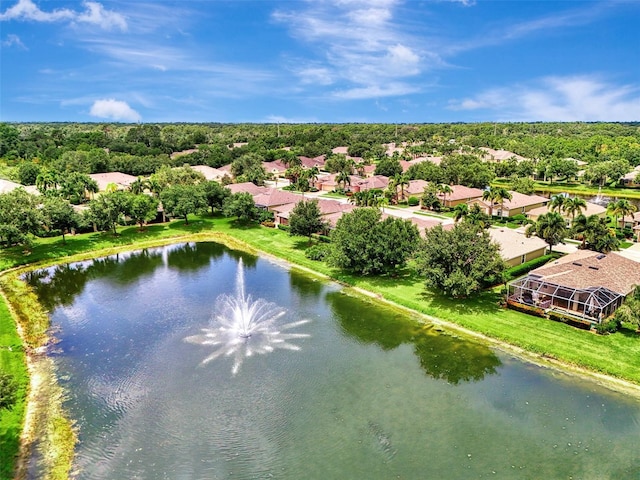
(460, 192)
(585, 269)
(209, 173)
(520, 200)
(273, 197)
(514, 244)
(247, 187)
(122, 180)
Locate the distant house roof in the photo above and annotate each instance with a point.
(247, 187)
(592, 209)
(425, 223)
(460, 192)
(307, 162)
(377, 181)
(273, 197)
(416, 187)
(209, 173)
(326, 207)
(586, 269)
(501, 155)
(183, 152)
(514, 244)
(121, 180)
(519, 200)
(7, 186)
(274, 167)
(340, 150)
(238, 144)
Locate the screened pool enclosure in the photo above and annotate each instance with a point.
(590, 304)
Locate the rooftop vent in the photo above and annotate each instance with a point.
(594, 268)
(578, 264)
(601, 256)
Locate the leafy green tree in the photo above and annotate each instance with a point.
(364, 244)
(551, 227)
(215, 195)
(427, 171)
(477, 217)
(139, 185)
(248, 168)
(47, 180)
(629, 311)
(75, 185)
(389, 167)
(242, 206)
(166, 176)
(143, 209)
(306, 219)
(60, 215)
(109, 210)
(430, 198)
(182, 199)
(459, 262)
(19, 217)
(524, 185)
(28, 173)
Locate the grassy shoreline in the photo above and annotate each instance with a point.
(613, 361)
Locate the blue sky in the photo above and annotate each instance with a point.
(338, 61)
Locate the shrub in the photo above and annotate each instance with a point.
(285, 228)
(520, 218)
(606, 328)
(413, 201)
(8, 391)
(268, 223)
(519, 270)
(317, 252)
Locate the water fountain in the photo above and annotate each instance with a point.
(242, 327)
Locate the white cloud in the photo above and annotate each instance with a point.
(14, 40)
(360, 44)
(94, 14)
(566, 99)
(115, 110)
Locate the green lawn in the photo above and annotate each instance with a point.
(578, 189)
(12, 361)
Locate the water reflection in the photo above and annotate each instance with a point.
(441, 356)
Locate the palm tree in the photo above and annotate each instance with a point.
(138, 186)
(460, 211)
(401, 181)
(312, 175)
(557, 203)
(477, 217)
(551, 227)
(502, 194)
(624, 207)
(489, 195)
(444, 189)
(574, 205)
(47, 179)
(580, 227)
(343, 178)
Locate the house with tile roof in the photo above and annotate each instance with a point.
(515, 247)
(122, 181)
(460, 194)
(592, 209)
(247, 187)
(585, 286)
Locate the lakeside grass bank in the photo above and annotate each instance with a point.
(615, 355)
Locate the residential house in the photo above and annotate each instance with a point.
(515, 247)
(500, 155)
(460, 194)
(632, 179)
(247, 187)
(519, 204)
(273, 197)
(209, 173)
(317, 162)
(7, 186)
(275, 168)
(585, 286)
(630, 221)
(122, 181)
(379, 182)
(592, 209)
(414, 189)
(330, 211)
